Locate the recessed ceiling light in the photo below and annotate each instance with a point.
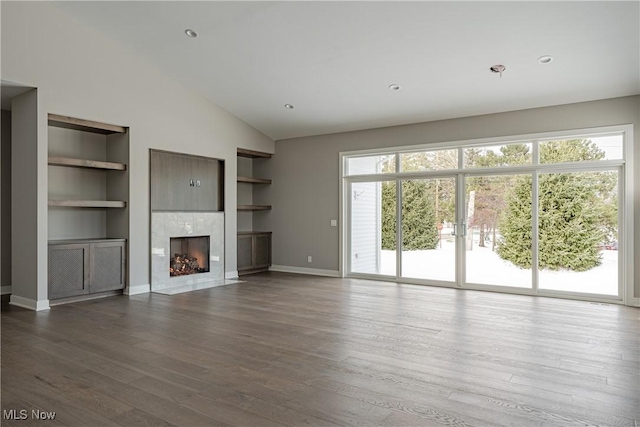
(545, 59)
(289, 106)
(191, 33)
(395, 87)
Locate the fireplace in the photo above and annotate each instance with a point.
(189, 255)
(198, 228)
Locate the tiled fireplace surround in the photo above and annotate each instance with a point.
(164, 226)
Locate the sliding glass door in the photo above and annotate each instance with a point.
(539, 216)
(428, 219)
(497, 242)
(578, 232)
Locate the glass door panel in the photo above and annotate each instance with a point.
(373, 227)
(578, 232)
(498, 230)
(428, 217)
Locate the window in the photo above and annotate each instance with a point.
(581, 149)
(368, 165)
(429, 160)
(544, 216)
(498, 155)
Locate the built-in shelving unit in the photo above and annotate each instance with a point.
(251, 154)
(84, 125)
(251, 180)
(88, 212)
(87, 203)
(254, 207)
(94, 127)
(83, 163)
(254, 247)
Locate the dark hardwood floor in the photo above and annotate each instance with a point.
(294, 350)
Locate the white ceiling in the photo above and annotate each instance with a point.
(335, 60)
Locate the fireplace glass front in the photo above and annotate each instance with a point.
(189, 255)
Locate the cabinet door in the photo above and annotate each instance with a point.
(171, 176)
(208, 191)
(107, 266)
(245, 252)
(68, 270)
(262, 248)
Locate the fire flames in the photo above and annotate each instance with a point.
(182, 265)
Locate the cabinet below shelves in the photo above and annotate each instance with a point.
(87, 203)
(254, 251)
(86, 266)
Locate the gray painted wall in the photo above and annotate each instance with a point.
(5, 200)
(306, 182)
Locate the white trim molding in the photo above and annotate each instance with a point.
(137, 290)
(231, 275)
(303, 270)
(4, 290)
(29, 304)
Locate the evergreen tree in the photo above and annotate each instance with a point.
(389, 215)
(576, 212)
(419, 227)
(515, 225)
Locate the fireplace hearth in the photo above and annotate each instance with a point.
(190, 255)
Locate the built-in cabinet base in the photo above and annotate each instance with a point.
(254, 251)
(86, 266)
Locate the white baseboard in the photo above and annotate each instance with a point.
(4, 290)
(137, 290)
(231, 275)
(29, 304)
(634, 302)
(303, 270)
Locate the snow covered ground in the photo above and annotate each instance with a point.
(485, 267)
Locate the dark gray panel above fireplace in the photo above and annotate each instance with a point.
(185, 183)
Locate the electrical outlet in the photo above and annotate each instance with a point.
(334, 222)
(309, 258)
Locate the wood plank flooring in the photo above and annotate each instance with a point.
(292, 350)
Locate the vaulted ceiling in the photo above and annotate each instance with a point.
(334, 61)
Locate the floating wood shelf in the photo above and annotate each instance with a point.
(254, 208)
(89, 164)
(84, 125)
(253, 154)
(88, 203)
(251, 180)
